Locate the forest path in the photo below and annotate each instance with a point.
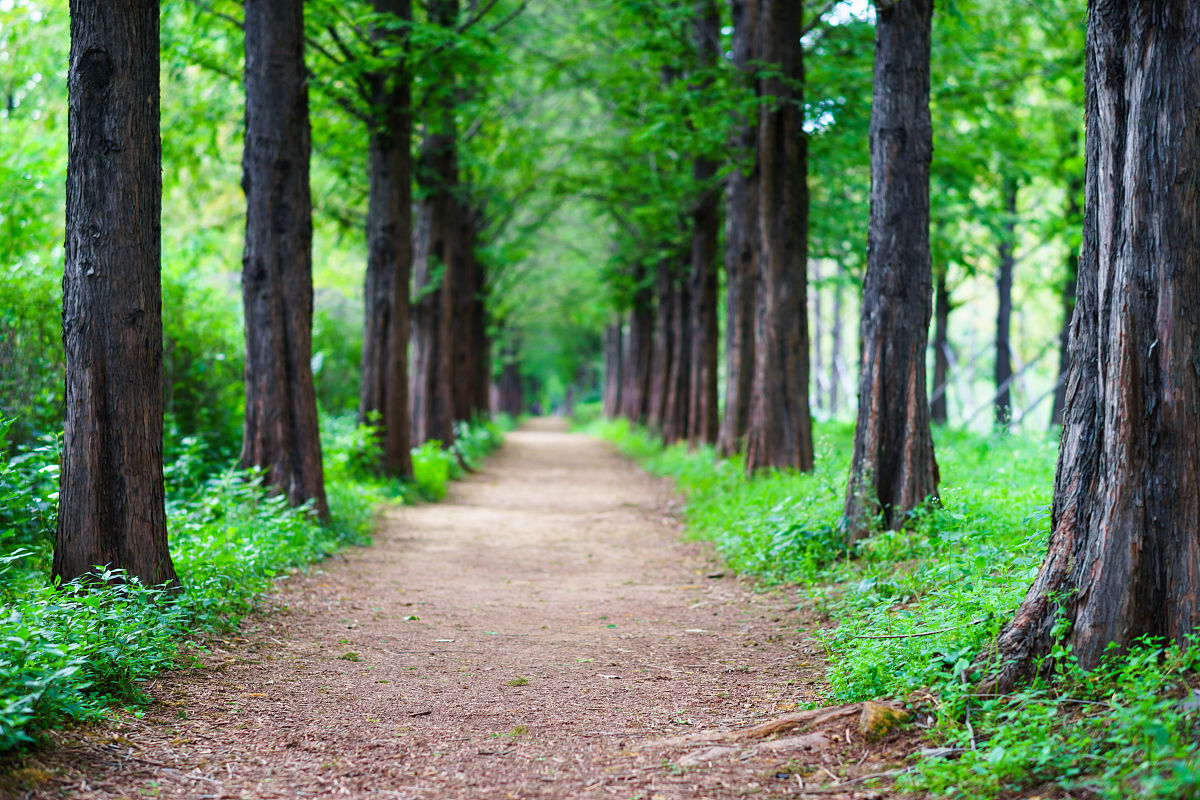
(541, 633)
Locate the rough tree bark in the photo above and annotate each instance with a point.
(663, 352)
(111, 507)
(436, 249)
(1004, 283)
(938, 407)
(464, 367)
(1124, 553)
(741, 250)
(280, 432)
(675, 412)
(703, 414)
(780, 432)
(384, 390)
(636, 372)
(893, 468)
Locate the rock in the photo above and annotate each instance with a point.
(879, 719)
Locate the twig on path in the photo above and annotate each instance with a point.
(970, 730)
(922, 633)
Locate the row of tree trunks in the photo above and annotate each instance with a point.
(384, 391)
(893, 468)
(635, 372)
(780, 431)
(662, 356)
(676, 407)
(510, 392)
(741, 250)
(280, 433)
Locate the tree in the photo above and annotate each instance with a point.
(280, 432)
(741, 249)
(1124, 554)
(384, 392)
(780, 432)
(892, 468)
(1004, 285)
(437, 256)
(703, 414)
(111, 499)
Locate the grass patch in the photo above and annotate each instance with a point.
(68, 653)
(956, 572)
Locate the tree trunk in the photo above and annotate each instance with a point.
(938, 410)
(835, 357)
(111, 508)
(818, 365)
(1124, 554)
(662, 357)
(675, 414)
(612, 370)
(636, 372)
(436, 253)
(1068, 311)
(893, 468)
(512, 390)
(482, 343)
(1004, 281)
(741, 250)
(463, 302)
(780, 423)
(280, 433)
(384, 391)
(703, 415)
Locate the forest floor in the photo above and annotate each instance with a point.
(544, 632)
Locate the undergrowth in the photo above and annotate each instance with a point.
(909, 610)
(71, 652)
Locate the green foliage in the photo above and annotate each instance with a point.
(1126, 729)
(911, 609)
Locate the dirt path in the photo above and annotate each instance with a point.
(543, 632)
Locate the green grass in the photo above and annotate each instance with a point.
(960, 570)
(69, 653)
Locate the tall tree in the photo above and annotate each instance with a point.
(280, 433)
(1004, 285)
(635, 393)
(704, 422)
(780, 432)
(893, 468)
(384, 391)
(741, 248)
(612, 370)
(437, 252)
(1124, 554)
(111, 499)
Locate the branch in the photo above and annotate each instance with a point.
(478, 15)
(819, 18)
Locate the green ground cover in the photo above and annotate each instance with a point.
(70, 654)
(959, 571)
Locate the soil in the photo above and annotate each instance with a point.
(543, 632)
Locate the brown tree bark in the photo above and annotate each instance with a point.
(280, 433)
(111, 502)
(436, 250)
(635, 391)
(463, 343)
(481, 341)
(384, 390)
(1124, 553)
(663, 351)
(678, 404)
(938, 408)
(612, 370)
(1004, 282)
(893, 468)
(780, 432)
(703, 414)
(741, 250)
